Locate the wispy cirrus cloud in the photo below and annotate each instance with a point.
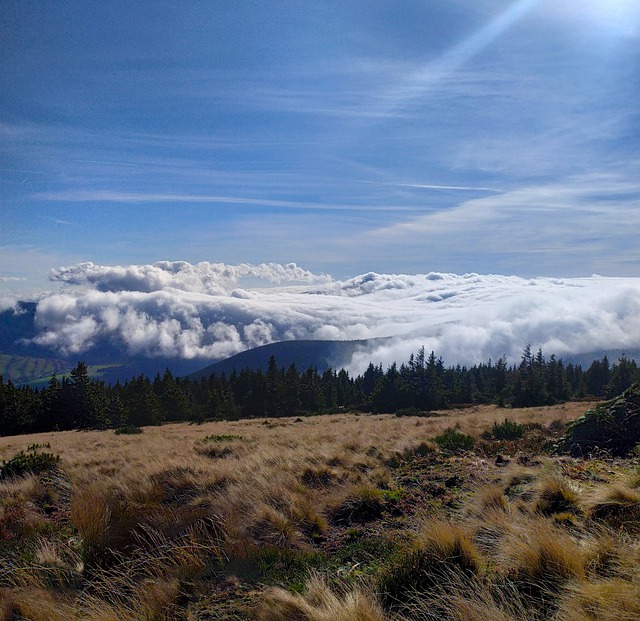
(111, 196)
(569, 219)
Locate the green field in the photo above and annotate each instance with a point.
(22, 369)
(38, 371)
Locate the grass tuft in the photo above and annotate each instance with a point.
(555, 495)
(442, 550)
(618, 507)
(319, 603)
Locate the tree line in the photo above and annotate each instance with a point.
(420, 385)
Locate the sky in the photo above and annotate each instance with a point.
(322, 141)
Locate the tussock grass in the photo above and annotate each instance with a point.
(441, 550)
(618, 507)
(488, 500)
(556, 495)
(319, 603)
(363, 503)
(134, 527)
(605, 600)
(91, 514)
(538, 553)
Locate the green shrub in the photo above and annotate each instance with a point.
(34, 447)
(453, 440)
(507, 430)
(612, 426)
(221, 437)
(30, 461)
(128, 430)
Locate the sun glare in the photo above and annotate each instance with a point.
(611, 17)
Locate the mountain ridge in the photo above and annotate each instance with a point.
(303, 353)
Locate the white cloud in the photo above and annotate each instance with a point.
(204, 277)
(194, 311)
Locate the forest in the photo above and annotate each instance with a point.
(419, 386)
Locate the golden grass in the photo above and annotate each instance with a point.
(141, 518)
(554, 494)
(319, 603)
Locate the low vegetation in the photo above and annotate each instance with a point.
(459, 516)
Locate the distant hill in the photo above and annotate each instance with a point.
(24, 362)
(17, 327)
(613, 355)
(304, 354)
(23, 369)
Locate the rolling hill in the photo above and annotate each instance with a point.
(304, 354)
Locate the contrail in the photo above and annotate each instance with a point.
(31, 172)
(105, 162)
(429, 186)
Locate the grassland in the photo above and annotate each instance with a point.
(20, 369)
(341, 517)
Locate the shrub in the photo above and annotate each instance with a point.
(221, 437)
(25, 462)
(128, 430)
(413, 411)
(613, 426)
(507, 430)
(453, 440)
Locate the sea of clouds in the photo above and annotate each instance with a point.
(213, 310)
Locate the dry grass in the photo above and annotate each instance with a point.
(618, 507)
(132, 526)
(319, 603)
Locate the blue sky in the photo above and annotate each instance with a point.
(398, 137)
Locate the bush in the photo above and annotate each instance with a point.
(221, 437)
(507, 430)
(28, 462)
(128, 430)
(613, 426)
(453, 440)
(413, 411)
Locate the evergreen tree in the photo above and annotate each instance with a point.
(623, 374)
(598, 376)
(142, 404)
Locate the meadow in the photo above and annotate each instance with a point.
(460, 515)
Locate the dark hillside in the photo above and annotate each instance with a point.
(304, 354)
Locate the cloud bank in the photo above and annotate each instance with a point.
(177, 309)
